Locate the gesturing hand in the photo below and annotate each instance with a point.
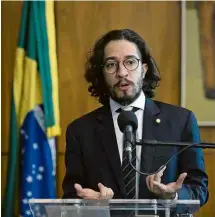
(167, 191)
(87, 193)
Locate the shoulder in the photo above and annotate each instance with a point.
(86, 121)
(180, 118)
(172, 109)
(177, 113)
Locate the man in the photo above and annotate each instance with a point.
(123, 75)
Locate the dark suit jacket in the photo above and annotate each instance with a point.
(92, 154)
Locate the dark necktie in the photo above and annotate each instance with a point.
(129, 173)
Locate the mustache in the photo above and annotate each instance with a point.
(123, 82)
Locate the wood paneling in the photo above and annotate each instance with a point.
(209, 209)
(11, 12)
(208, 135)
(78, 25)
(4, 158)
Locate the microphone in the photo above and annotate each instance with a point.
(128, 123)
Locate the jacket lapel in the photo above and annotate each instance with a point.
(150, 129)
(107, 136)
(151, 113)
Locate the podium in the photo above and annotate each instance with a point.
(113, 208)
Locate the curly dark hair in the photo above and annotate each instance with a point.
(95, 57)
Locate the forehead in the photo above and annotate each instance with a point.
(120, 49)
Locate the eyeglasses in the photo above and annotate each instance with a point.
(112, 66)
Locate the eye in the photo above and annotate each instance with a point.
(130, 62)
(109, 65)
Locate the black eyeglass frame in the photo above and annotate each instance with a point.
(138, 61)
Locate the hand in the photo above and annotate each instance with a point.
(87, 193)
(164, 191)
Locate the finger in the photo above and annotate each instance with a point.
(89, 193)
(158, 175)
(109, 193)
(151, 179)
(147, 182)
(160, 188)
(163, 169)
(103, 191)
(79, 190)
(180, 180)
(86, 193)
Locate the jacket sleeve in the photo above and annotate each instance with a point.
(74, 164)
(195, 185)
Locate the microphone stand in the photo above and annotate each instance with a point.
(182, 144)
(185, 146)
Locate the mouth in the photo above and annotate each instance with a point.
(123, 85)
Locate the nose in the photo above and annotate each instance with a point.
(121, 71)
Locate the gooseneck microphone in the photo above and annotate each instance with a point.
(128, 123)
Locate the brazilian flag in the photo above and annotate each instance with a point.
(34, 110)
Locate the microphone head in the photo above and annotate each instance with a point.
(126, 118)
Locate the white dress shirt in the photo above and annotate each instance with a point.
(138, 103)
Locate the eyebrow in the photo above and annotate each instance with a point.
(114, 58)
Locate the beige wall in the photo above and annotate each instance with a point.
(78, 24)
(198, 68)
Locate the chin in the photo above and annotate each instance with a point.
(125, 99)
(125, 93)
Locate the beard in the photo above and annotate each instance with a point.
(123, 97)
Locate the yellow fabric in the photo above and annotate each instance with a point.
(27, 86)
(54, 130)
(26, 77)
(18, 78)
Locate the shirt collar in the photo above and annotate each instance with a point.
(138, 103)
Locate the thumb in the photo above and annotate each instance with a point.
(102, 189)
(78, 187)
(100, 185)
